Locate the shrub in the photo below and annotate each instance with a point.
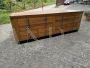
(87, 13)
(4, 17)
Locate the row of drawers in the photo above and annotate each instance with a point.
(45, 31)
(42, 20)
(46, 26)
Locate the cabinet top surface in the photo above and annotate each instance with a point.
(42, 12)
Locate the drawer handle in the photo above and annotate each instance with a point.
(27, 27)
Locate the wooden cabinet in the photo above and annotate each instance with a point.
(28, 27)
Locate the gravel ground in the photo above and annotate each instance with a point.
(64, 51)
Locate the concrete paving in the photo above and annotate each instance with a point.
(64, 51)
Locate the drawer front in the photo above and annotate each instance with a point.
(42, 32)
(67, 20)
(14, 22)
(34, 33)
(76, 25)
(37, 20)
(26, 35)
(22, 21)
(77, 22)
(23, 36)
(70, 14)
(49, 30)
(50, 21)
(57, 29)
(68, 27)
(58, 24)
(23, 28)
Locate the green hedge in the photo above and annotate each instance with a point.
(4, 17)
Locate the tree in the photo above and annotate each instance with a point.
(45, 1)
(8, 4)
(34, 2)
(59, 2)
(19, 0)
(25, 2)
(1, 4)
